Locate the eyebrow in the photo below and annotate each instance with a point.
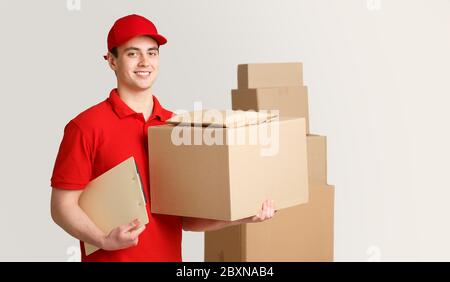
(137, 49)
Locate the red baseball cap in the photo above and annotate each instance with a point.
(131, 26)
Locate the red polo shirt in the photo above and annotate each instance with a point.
(97, 140)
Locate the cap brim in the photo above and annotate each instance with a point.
(159, 38)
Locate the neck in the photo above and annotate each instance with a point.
(138, 101)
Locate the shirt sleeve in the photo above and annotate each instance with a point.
(73, 165)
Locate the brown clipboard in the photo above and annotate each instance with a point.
(114, 198)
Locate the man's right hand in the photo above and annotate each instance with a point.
(123, 237)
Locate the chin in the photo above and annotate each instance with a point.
(143, 87)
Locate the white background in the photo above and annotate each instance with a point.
(378, 72)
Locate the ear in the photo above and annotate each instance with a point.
(112, 61)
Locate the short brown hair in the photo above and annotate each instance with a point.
(115, 52)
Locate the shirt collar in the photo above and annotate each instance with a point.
(123, 110)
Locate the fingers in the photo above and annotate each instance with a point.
(267, 211)
(260, 215)
(124, 236)
(270, 209)
(136, 232)
(132, 231)
(131, 226)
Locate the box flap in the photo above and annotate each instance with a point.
(222, 118)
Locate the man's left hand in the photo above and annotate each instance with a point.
(267, 212)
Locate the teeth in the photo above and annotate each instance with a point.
(142, 72)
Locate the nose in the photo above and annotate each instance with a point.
(144, 61)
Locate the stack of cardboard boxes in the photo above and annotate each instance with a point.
(300, 233)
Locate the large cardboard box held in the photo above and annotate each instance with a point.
(227, 181)
(301, 233)
(270, 75)
(289, 101)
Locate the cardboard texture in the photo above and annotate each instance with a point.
(300, 233)
(317, 159)
(114, 198)
(270, 75)
(289, 101)
(229, 181)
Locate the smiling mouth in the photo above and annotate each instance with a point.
(142, 73)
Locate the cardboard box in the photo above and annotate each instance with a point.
(229, 181)
(300, 233)
(317, 159)
(270, 75)
(289, 101)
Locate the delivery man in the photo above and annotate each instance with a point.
(106, 134)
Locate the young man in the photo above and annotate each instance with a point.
(108, 133)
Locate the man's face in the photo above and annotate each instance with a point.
(137, 63)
